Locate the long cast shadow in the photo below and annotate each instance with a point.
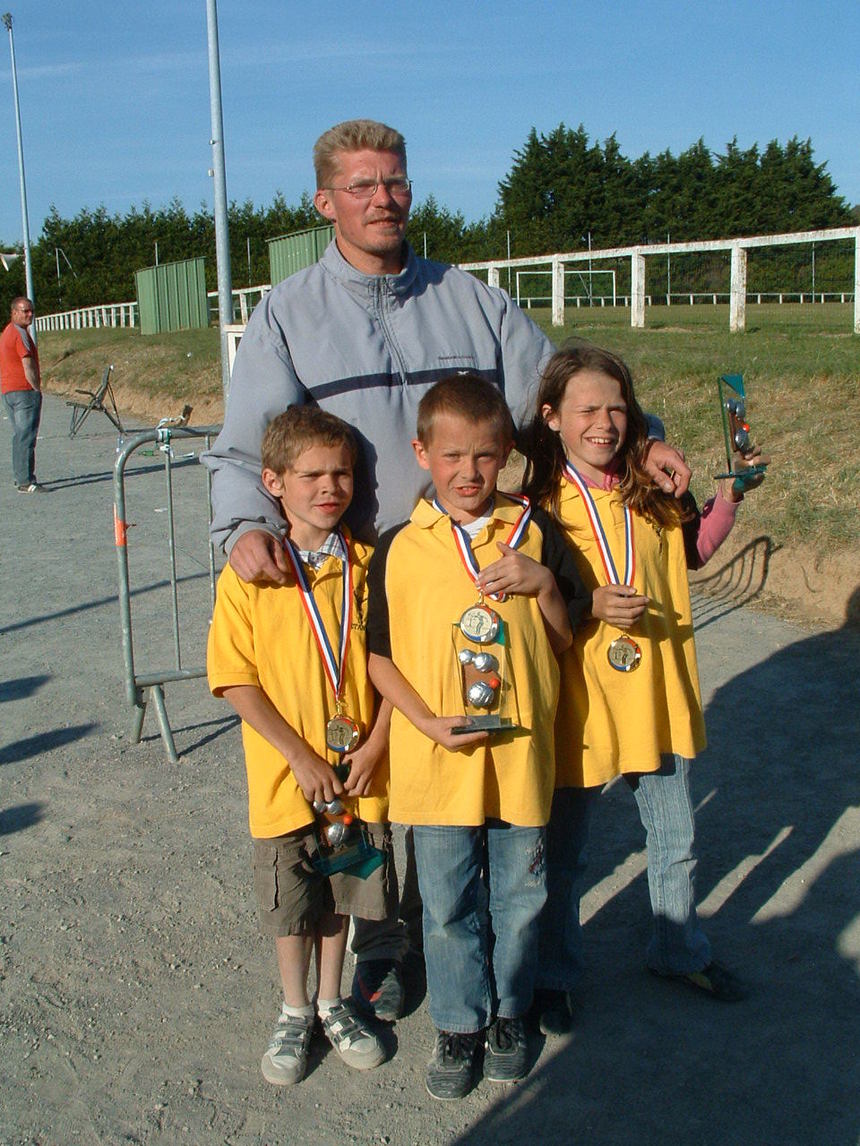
(31, 746)
(22, 687)
(99, 602)
(735, 584)
(20, 817)
(220, 728)
(777, 828)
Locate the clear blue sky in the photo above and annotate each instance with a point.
(115, 97)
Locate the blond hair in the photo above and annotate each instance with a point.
(468, 396)
(299, 427)
(353, 135)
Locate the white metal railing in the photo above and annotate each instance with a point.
(127, 314)
(110, 314)
(247, 297)
(692, 298)
(737, 249)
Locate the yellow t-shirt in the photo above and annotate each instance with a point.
(419, 590)
(260, 635)
(611, 722)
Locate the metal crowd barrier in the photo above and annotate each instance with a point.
(144, 686)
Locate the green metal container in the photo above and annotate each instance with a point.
(291, 253)
(172, 296)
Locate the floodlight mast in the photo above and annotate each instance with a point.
(25, 220)
(222, 239)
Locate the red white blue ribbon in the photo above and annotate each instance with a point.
(464, 544)
(334, 666)
(575, 477)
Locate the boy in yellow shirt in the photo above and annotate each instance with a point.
(478, 803)
(291, 660)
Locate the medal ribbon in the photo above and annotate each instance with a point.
(464, 544)
(334, 668)
(576, 478)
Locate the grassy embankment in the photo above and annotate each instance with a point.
(801, 366)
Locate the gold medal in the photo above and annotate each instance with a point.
(624, 654)
(341, 733)
(480, 624)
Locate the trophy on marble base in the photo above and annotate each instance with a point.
(736, 430)
(489, 701)
(341, 842)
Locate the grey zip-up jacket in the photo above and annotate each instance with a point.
(366, 348)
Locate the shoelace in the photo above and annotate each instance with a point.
(457, 1046)
(504, 1034)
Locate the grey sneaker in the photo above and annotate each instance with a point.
(286, 1059)
(377, 989)
(450, 1072)
(31, 487)
(347, 1032)
(506, 1053)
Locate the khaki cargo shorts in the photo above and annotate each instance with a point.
(292, 895)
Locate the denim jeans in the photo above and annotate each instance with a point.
(677, 945)
(561, 957)
(483, 890)
(25, 410)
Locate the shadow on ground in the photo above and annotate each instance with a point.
(654, 1062)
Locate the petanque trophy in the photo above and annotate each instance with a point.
(342, 844)
(480, 649)
(736, 430)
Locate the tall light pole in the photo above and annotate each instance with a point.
(222, 239)
(25, 220)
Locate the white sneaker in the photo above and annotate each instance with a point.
(356, 1044)
(286, 1059)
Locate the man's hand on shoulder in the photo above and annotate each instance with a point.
(258, 556)
(667, 468)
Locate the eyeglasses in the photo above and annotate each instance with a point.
(396, 186)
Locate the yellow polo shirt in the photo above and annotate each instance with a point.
(260, 635)
(419, 588)
(611, 722)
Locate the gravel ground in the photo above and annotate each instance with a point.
(136, 995)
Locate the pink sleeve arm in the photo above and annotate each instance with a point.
(715, 524)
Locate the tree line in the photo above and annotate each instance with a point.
(563, 192)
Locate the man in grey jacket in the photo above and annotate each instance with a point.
(364, 333)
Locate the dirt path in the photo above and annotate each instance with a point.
(136, 995)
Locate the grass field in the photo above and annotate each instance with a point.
(801, 367)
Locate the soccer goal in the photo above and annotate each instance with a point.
(579, 287)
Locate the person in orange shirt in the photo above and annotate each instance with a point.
(21, 383)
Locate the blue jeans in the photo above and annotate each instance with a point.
(25, 410)
(678, 945)
(561, 956)
(483, 890)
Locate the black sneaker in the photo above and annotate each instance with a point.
(714, 980)
(553, 1011)
(451, 1069)
(506, 1053)
(377, 989)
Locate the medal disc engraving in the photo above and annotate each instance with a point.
(480, 624)
(341, 733)
(624, 654)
